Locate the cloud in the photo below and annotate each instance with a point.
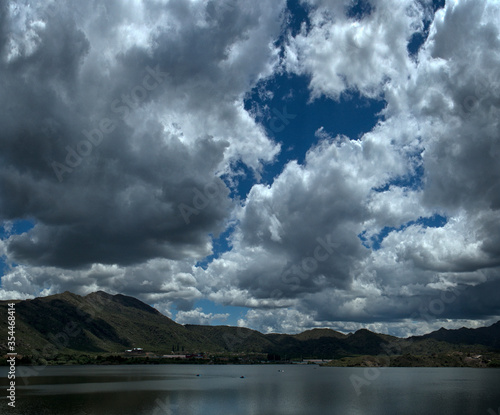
(317, 210)
(143, 107)
(160, 282)
(343, 53)
(277, 321)
(111, 132)
(434, 153)
(197, 316)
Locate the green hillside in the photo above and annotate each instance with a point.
(100, 323)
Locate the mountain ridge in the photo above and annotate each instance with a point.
(104, 323)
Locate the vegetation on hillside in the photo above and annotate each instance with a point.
(99, 328)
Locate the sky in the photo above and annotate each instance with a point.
(278, 165)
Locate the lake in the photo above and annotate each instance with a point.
(264, 390)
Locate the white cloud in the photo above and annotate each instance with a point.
(341, 53)
(288, 321)
(426, 125)
(296, 257)
(164, 283)
(197, 316)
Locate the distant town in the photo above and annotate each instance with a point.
(220, 358)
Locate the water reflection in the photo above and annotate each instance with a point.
(176, 389)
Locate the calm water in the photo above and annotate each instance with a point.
(219, 390)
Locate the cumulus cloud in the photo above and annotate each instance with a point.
(342, 53)
(288, 321)
(318, 209)
(164, 283)
(110, 125)
(197, 316)
(433, 154)
(141, 105)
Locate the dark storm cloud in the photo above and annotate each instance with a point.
(128, 213)
(84, 148)
(461, 302)
(119, 118)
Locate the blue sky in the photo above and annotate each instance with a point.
(17, 227)
(276, 165)
(292, 121)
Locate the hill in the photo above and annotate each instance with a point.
(486, 336)
(98, 322)
(104, 323)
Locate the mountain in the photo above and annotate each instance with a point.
(104, 323)
(319, 343)
(366, 342)
(318, 334)
(98, 322)
(233, 339)
(485, 336)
